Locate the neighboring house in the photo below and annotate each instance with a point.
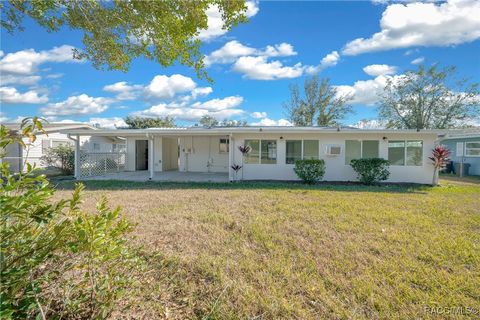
(54, 137)
(160, 151)
(464, 146)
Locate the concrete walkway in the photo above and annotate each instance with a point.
(175, 176)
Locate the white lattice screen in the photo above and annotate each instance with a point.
(100, 163)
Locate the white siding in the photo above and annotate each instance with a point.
(336, 170)
(204, 155)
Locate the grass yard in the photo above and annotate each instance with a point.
(271, 251)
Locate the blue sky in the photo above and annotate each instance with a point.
(358, 45)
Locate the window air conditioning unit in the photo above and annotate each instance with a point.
(333, 150)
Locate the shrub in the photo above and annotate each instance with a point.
(310, 171)
(58, 261)
(61, 157)
(372, 170)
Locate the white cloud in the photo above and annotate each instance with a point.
(364, 92)
(76, 105)
(123, 90)
(232, 50)
(330, 60)
(259, 68)
(165, 87)
(201, 92)
(26, 62)
(11, 95)
(219, 104)
(269, 122)
(229, 53)
(418, 60)
(258, 115)
(422, 24)
(255, 64)
(55, 75)
(108, 123)
(279, 50)
(380, 69)
(217, 108)
(19, 79)
(215, 21)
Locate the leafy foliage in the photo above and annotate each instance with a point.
(321, 106)
(116, 32)
(244, 149)
(429, 98)
(371, 170)
(209, 121)
(440, 157)
(57, 260)
(310, 170)
(61, 157)
(143, 123)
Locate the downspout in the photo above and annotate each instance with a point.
(77, 155)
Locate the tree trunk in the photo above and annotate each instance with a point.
(435, 177)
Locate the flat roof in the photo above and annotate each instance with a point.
(248, 129)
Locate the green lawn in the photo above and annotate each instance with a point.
(270, 251)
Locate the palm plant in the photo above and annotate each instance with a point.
(244, 150)
(440, 158)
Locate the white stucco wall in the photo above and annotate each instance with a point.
(336, 170)
(202, 154)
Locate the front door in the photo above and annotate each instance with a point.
(141, 155)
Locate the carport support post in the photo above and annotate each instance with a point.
(77, 158)
(150, 157)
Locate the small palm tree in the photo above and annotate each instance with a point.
(440, 158)
(244, 150)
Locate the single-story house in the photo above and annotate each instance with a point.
(169, 153)
(464, 147)
(55, 135)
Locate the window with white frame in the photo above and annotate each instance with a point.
(301, 149)
(224, 145)
(472, 149)
(261, 152)
(96, 146)
(409, 152)
(118, 147)
(361, 149)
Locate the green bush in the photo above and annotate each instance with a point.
(61, 157)
(310, 171)
(57, 261)
(372, 170)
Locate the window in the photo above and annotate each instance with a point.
(301, 149)
(408, 153)
(310, 149)
(294, 151)
(269, 151)
(396, 153)
(261, 151)
(96, 147)
(254, 155)
(357, 149)
(224, 145)
(472, 149)
(414, 153)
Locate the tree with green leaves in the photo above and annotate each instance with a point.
(116, 32)
(57, 260)
(144, 122)
(233, 123)
(208, 121)
(429, 98)
(321, 104)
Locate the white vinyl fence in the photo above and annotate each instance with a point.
(100, 163)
